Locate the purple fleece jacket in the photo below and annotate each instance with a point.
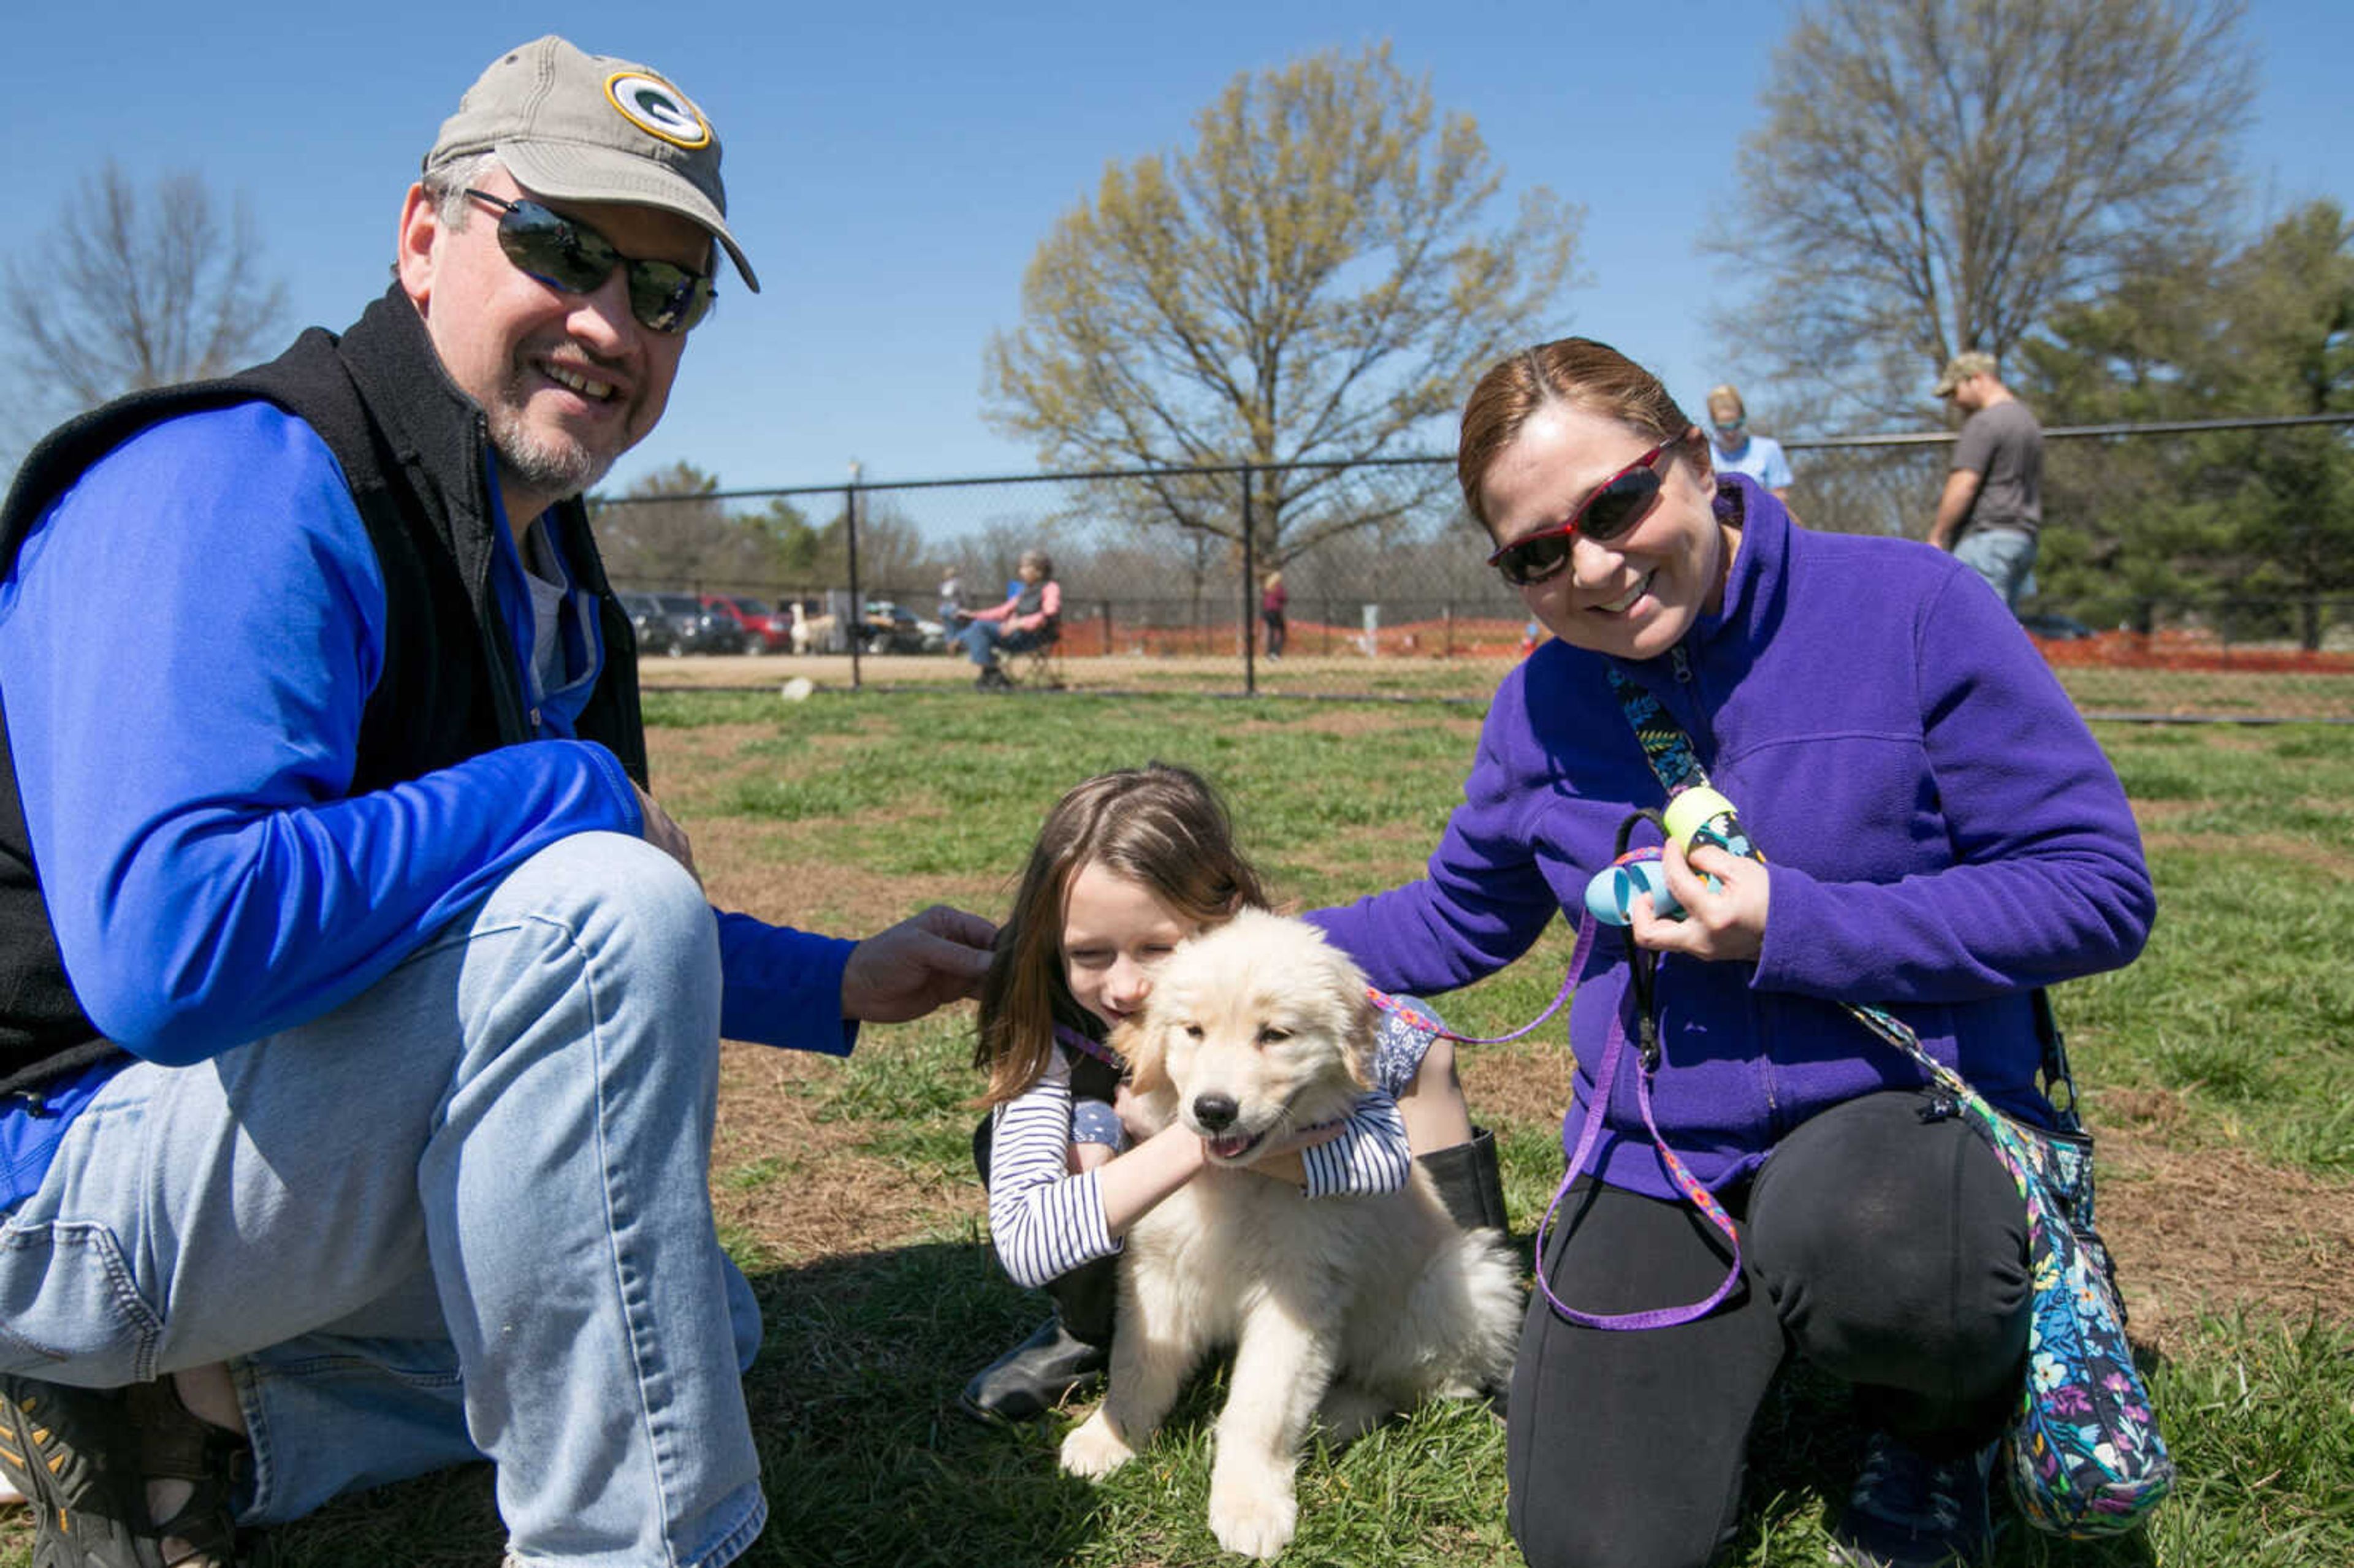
(1943, 835)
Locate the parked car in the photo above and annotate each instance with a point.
(2055, 627)
(893, 629)
(657, 633)
(760, 629)
(700, 630)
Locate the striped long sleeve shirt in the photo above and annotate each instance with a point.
(1046, 1222)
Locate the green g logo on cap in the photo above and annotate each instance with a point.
(657, 109)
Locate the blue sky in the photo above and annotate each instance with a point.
(892, 167)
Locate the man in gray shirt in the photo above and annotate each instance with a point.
(1992, 506)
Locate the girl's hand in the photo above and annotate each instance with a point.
(1087, 1157)
(1281, 1162)
(1139, 1122)
(1727, 921)
(1132, 1182)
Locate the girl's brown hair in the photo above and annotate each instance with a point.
(1160, 825)
(1576, 371)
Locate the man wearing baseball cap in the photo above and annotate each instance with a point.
(360, 1007)
(1992, 509)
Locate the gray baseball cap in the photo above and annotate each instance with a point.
(582, 127)
(1961, 367)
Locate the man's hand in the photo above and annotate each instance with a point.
(664, 834)
(1727, 921)
(924, 962)
(1953, 504)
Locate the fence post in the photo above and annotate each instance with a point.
(857, 599)
(1250, 576)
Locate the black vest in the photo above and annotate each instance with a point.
(414, 450)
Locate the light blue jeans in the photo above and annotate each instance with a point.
(983, 639)
(466, 1214)
(2004, 556)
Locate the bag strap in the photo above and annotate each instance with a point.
(1086, 1046)
(2056, 1075)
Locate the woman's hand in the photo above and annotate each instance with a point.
(1727, 921)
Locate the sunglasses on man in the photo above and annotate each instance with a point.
(573, 259)
(1622, 501)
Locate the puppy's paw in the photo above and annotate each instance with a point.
(1094, 1449)
(1254, 1516)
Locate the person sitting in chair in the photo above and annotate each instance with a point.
(1030, 617)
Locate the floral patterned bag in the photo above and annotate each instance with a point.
(2084, 1452)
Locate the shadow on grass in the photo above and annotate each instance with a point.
(866, 1459)
(1803, 1453)
(863, 1454)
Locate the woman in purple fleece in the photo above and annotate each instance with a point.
(1943, 836)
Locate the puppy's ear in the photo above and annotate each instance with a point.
(1140, 1046)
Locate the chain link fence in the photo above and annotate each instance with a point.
(2186, 571)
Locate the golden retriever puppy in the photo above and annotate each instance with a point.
(1344, 1307)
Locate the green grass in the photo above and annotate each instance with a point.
(2242, 1007)
(2244, 1002)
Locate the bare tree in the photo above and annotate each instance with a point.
(669, 530)
(1311, 281)
(1935, 175)
(130, 290)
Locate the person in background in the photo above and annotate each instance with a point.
(1273, 597)
(1990, 514)
(1736, 449)
(360, 1007)
(1030, 616)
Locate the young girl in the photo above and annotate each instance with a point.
(1127, 865)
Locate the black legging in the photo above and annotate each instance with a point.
(1889, 1251)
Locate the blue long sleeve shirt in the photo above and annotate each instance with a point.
(186, 643)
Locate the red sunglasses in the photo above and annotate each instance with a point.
(1624, 499)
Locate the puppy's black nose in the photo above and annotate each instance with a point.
(1215, 1112)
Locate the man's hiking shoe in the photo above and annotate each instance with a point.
(82, 1458)
(1909, 1511)
(1034, 1376)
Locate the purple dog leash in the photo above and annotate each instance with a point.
(1690, 1185)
